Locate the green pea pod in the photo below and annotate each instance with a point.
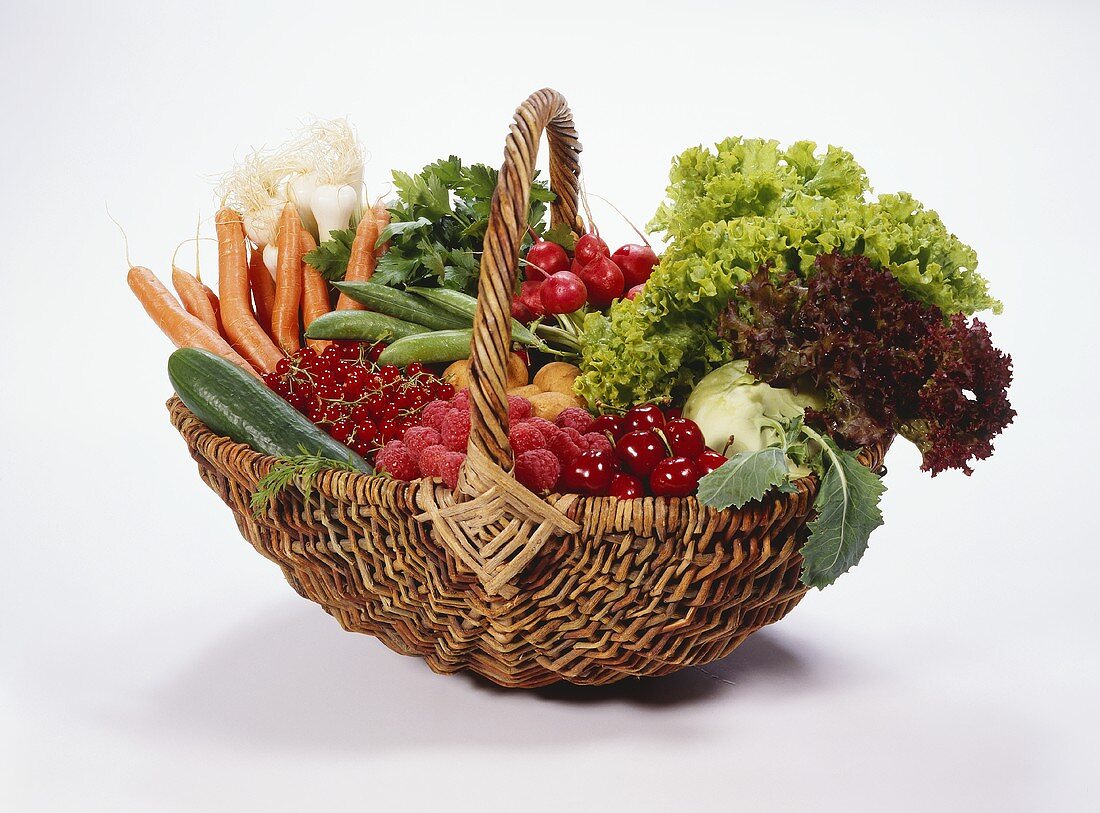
(464, 305)
(362, 326)
(429, 348)
(402, 305)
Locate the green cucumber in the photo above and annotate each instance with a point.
(464, 305)
(240, 406)
(401, 305)
(429, 348)
(362, 326)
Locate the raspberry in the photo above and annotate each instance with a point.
(396, 459)
(565, 446)
(452, 461)
(432, 415)
(518, 408)
(523, 438)
(456, 430)
(419, 438)
(461, 401)
(575, 418)
(597, 441)
(431, 460)
(537, 470)
(549, 431)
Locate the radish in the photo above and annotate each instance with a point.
(547, 257)
(588, 248)
(520, 312)
(633, 292)
(531, 297)
(603, 280)
(563, 292)
(636, 262)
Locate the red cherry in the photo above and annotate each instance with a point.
(637, 263)
(674, 477)
(672, 413)
(547, 258)
(588, 248)
(626, 487)
(564, 292)
(643, 416)
(709, 461)
(684, 438)
(603, 280)
(640, 451)
(588, 473)
(608, 424)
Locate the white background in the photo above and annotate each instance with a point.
(150, 660)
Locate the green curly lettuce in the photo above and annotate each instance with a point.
(746, 204)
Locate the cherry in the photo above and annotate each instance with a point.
(547, 257)
(564, 292)
(640, 451)
(637, 263)
(588, 248)
(603, 280)
(643, 416)
(608, 424)
(684, 438)
(709, 461)
(627, 487)
(674, 477)
(672, 413)
(588, 473)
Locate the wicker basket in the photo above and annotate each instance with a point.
(523, 590)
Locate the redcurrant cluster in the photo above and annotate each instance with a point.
(348, 394)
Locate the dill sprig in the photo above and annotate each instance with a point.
(298, 470)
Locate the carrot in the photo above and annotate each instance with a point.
(362, 260)
(215, 305)
(381, 219)
(315, 299)
(193, 296)
(241, 328)
(285, 325)
(178, 325)
(263, 288)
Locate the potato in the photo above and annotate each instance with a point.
(517, 371)
(550, 404)
(557, 376)
(458, 374)
(530, 391)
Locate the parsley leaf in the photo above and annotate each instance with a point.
(331, 257)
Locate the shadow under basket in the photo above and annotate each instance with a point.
(521, 589)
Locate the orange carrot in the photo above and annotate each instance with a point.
(285, 325)
(381, 220)
(263, 288)
(361, 263)
(178, 325)
(241, 328)
(215, 305)
(315, 299)
(193, 296)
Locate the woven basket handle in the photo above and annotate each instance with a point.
(543, 110)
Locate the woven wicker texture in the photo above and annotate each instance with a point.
(523, 590)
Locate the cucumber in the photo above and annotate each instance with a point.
(240, 406)
(402, 305)
(429, 348)
(464, 305)
(362, 326)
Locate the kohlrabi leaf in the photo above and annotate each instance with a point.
(847, 508)
(745, 476)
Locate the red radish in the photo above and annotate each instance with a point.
(589, 247)
(604, 281)
(520, 312)
(637, 263)
(635, 291)
(563, 292)
(550, 258)
(530, 294)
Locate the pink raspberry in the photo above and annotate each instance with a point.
(396, 459)
(523, 438)
(575, 418)
(597, 441)
(419, 438)
(537, 470)
(566, 444)
(431, 460)
(549, 431)
(519, 408)
(432, 415)
(455, 431)
(461, 401)
(452, 461)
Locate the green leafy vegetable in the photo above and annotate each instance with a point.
(745, 205)
(299, 470)
(331, 257)
(562, 235)
(745, 476)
